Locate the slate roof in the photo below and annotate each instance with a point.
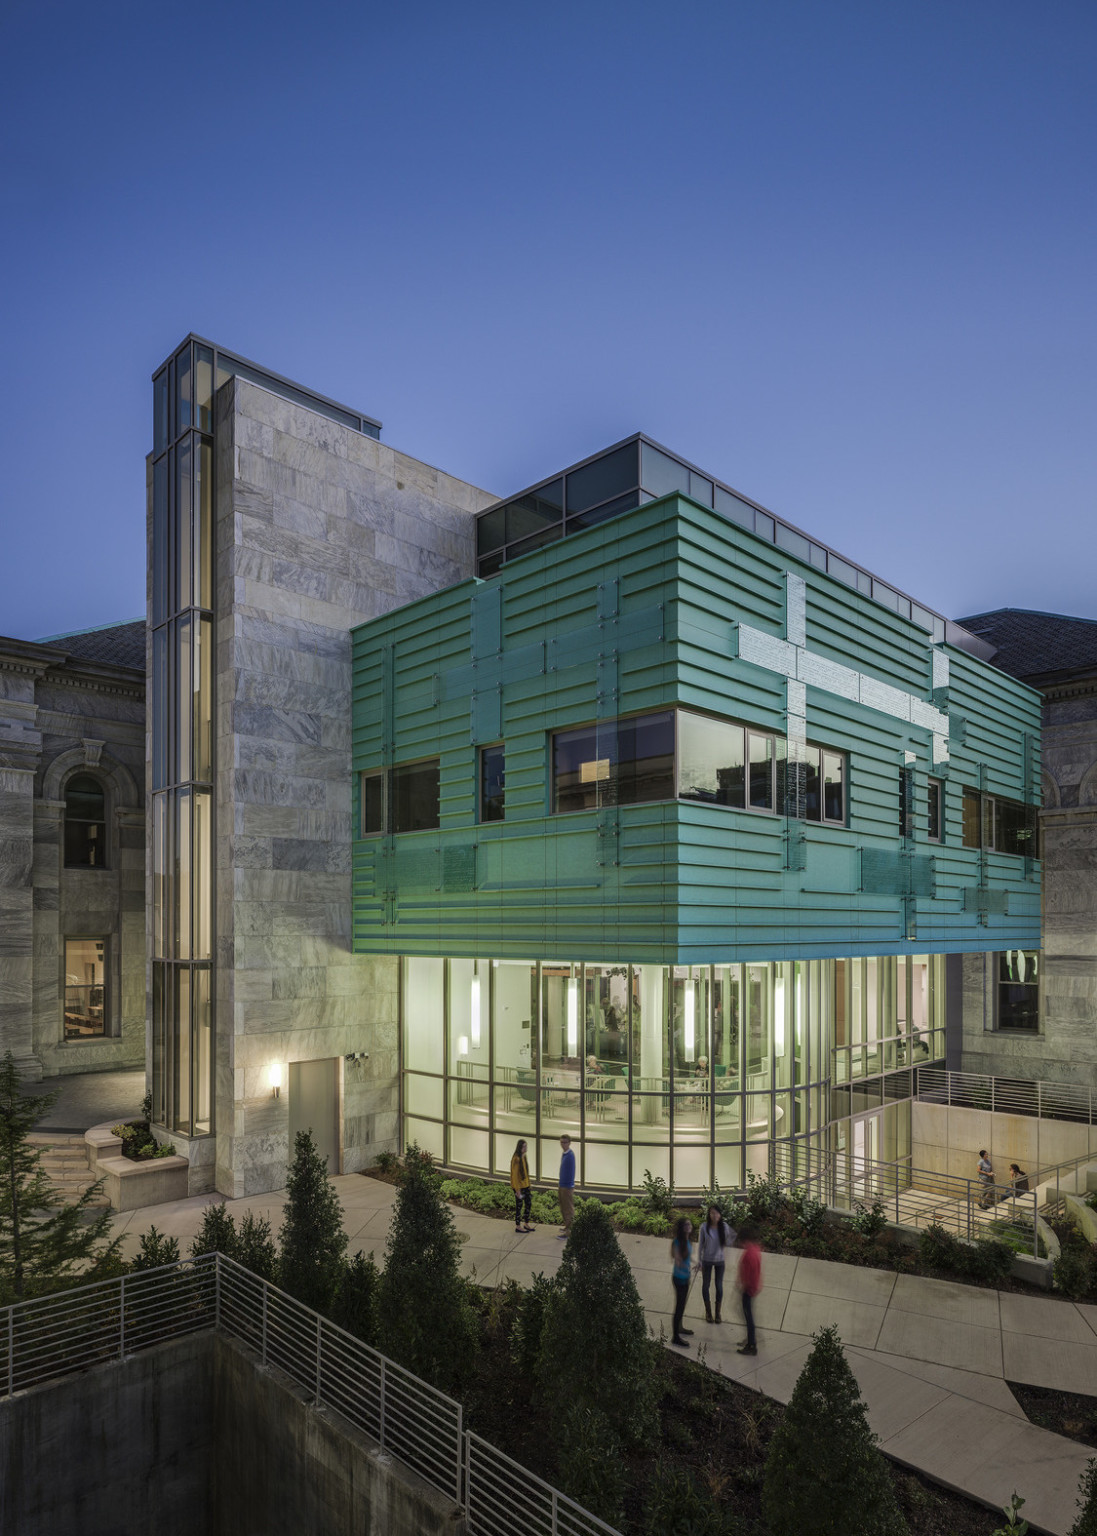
(116, 645)
(1036, 645)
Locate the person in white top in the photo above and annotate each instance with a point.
(714, 1237)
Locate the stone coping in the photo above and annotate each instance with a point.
(129, 1185)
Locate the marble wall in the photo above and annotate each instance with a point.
(59, 715)
(1065, 1050)
(318, 528)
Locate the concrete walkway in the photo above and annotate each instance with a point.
(932, 1358)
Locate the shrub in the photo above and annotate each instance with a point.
(824, 1475)
(217, 1234)
(1073, 1271)
(868, 1221)
(658, 1195)
(355, 1305)
(313, 1240)
(724, 1203)
(529, 1325)
(592, 1470)
(546, 1208)
(809, 1212)
(155, 1250)
(424, 1317)
(765, 1197)
(595, 1348)
(675, 1505)
(988, 1260)
(387, 1161)
(418, 1160)
(1085, 1522)
(657, 1225)
(255, 1247)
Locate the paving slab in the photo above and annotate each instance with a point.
(822, 1278)
(857, 1322)
(945, 1343)
(988, 1455)
(1061, 1363)
(893, 1397)
(991, 1390)
(947, 1300)
(1041, 1319)
(1088, 1313)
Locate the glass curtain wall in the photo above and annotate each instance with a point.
(693, 1073)
(182, 740)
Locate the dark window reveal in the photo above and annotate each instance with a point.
(414, 798)
(935, 811)
(492, 784)
(85, 823)
(373, 804)
(1005, 826)
(1019, 989)
(834, 787)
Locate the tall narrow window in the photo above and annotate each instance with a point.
(972, 817)
(760, 778)
(1019, 989)
(85, 989)
(85, 823)
(834, 787)
(935, 809)
(372, 807)
(492, 784)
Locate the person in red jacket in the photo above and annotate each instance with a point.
(750, 1283)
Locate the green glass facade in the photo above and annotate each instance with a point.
(722, 857)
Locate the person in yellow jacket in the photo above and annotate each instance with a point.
(519, 1182)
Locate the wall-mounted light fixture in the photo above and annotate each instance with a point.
(274, 1079)
(462, 1045)
(474, 1004)
(573, 1017)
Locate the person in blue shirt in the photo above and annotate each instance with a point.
(681, 1254)
(566, 1191)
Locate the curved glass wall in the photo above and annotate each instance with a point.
(691, 1073)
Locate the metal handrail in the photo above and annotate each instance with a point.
(1007, 1095)
(52, 1336)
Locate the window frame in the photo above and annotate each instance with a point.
(106, 1032)
(86, 773)
(935, 789)
(778, 748)
(482, 820)
(1021, 1031)
(372, 775)
(391, 798)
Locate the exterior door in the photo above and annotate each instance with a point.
(314, 1106)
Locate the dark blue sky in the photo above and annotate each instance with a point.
(840, 254)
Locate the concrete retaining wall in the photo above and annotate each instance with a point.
(197, 1436)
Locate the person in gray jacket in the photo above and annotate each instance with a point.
(714, 1237)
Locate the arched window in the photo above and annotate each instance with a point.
(85, 823)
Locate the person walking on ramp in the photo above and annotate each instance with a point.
(681, 1255)
(519, 1182)
(750, 1283)
(566, 1190)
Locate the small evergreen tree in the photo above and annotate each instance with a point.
(155, 1250)
(1085, 1523)
(594, 1344)
(313, 1240)
(425, 1320)
(824, 1475)
(42, 1240)
(217, 1234)
(255, 1247)
(355, 1306)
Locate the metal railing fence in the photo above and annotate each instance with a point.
(53, 1336)
(1007, 1095)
